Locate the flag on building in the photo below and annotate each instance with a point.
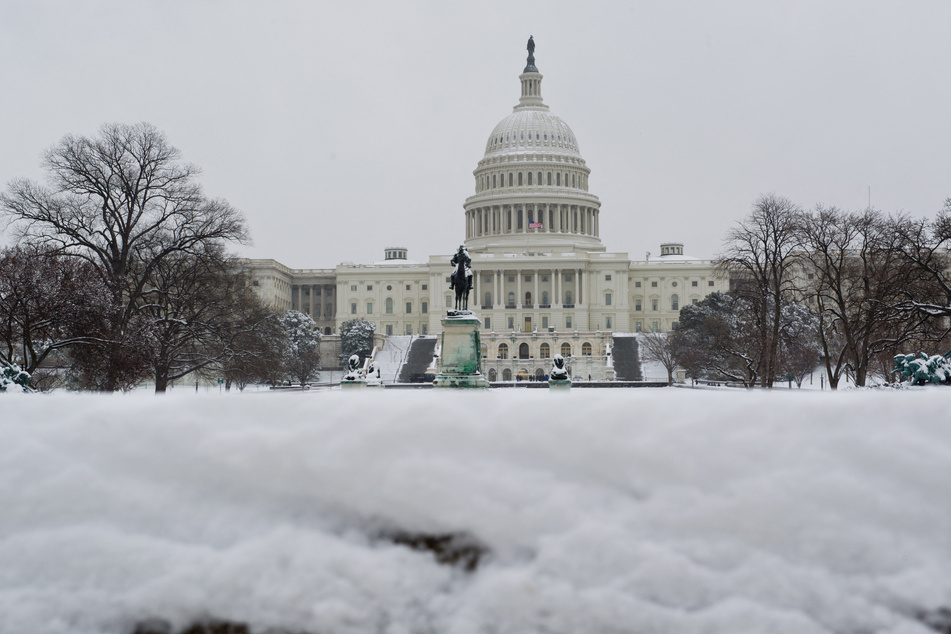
(535, 225)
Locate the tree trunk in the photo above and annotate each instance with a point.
(161, 381)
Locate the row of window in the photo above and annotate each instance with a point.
(527, 178)
(487, 299)
(693, 283)
(507, 374)
(527, 326)
(389, 287)
(655, 303)
(544, 351)
(388, 307)
(539, 137)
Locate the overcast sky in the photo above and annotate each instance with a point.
(341, 128)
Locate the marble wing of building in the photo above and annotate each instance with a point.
(543, 282)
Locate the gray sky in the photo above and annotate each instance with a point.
(340, 128)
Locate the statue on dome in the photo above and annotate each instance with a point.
(461, 278)
(530, 66)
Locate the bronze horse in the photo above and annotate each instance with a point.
(462, 284)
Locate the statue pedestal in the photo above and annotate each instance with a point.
(559, 384)
(460, 363)
(352, 385)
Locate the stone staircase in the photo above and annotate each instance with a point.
(627, 362)
(419, 357)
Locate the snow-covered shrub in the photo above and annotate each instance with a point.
(302, 351)
(13, 378)
(356, 337)
(924, 369)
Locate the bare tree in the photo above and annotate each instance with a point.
(855, 278)
(759, 258)
(655, 346)
(48, 303)
(927, 246)
(124, 202)
(200, 306)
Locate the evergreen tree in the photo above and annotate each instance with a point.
(356, 337)
(302, 346)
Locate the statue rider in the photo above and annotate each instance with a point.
(462, 255)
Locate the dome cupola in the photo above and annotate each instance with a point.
(532, 184)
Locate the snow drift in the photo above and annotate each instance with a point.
(642, 511)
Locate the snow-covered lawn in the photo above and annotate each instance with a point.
(638, 510)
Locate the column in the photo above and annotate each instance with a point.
(518, 288)
(498, 289)
(559, 298)
(535, 301)
(581, 288)
(311, 303)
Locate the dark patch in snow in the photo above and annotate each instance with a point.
(939, 620)
(450, 549)
(211, 626)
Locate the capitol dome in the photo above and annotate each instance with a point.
(532, 130)
(532, 184)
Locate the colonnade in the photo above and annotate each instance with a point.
(557, 287)
(327, 292)
(517, 218)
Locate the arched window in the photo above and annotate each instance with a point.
(523, 351)
(327, 330)
(544, 351)
(529, 178)
(485, 351)
(511, 303)
(566, 350)
(568, 301)
(539, 181)
(528, 298)
(549, 178)
(539, 374)
(519, 179)
(544, 298)
(510, 179)
(558, 179)
(674, 302)
(389, 305)
(503, 351)
(506, 375)
(493, 181)
(493, 375)
(586, 349)
(488, 300)
(572, 180)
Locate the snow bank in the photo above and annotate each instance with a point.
(641, 511)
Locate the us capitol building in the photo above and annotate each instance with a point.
(543, 282)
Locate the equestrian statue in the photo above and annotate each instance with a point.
(461, 278)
